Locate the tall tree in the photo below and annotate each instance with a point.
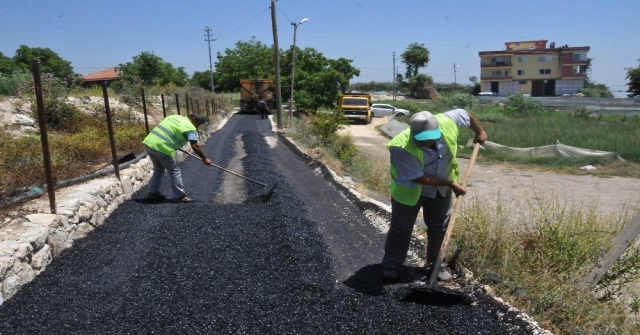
(633, 75)
(201, 79)
(249, 59)
(153, 70)
(7, 66)
(415, 57)
(50, 62)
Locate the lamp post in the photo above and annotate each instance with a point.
(293, 64)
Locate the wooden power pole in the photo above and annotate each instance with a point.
(277, 61)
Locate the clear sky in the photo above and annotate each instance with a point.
(94, 35)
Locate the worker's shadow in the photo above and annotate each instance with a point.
(369, 280)
(165, 201)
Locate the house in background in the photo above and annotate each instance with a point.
(108, 75)
(530, 67)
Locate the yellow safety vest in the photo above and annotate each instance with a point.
(167, 136)
(410, 195)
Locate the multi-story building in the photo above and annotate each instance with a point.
(530, 67)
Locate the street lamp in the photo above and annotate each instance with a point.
(293, 64)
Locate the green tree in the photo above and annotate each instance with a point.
(417, 82)
(318, 79)
(7, 66)
(415, 57)
(250, 59)
(201, 79)
(50, 62)
(153, 70)
(633, 75)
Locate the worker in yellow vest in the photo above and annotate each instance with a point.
(424, 175)
(168, 136)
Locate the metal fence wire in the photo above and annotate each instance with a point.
(76, 138)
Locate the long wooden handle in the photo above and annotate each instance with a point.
(452, 220)
(225, 170)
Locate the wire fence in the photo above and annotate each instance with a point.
(70, 144)
(618, 106)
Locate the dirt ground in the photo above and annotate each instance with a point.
(517, 188)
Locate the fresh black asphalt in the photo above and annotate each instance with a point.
(304, 262)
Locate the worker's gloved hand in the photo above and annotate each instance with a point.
(207, 161)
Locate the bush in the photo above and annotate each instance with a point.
(9, 83)
(524, 105)
(458, 100)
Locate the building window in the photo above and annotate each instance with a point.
(580, 56)
(521, 72)
(522, 59)
(544, 58)
(522, 82)
(579, 69)
(517, 44)
(545, 71)
(496, 73)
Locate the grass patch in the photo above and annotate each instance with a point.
(535, 260)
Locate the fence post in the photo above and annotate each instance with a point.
(177, 103)
(186, 100)
(197, 105)
(43, 136)
(164, 112)
(112, 140)
(144, 109)
(206, 106)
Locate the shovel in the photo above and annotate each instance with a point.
(452, 220)
(266, 196)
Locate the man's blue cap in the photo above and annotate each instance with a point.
(425, 126)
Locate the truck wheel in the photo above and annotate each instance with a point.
(369, 119)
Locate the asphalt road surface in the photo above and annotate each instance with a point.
(304, 262)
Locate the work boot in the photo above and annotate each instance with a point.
(155, 197)
(184, 198)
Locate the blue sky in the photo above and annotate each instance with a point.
(94, 35)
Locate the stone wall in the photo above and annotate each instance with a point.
(31, 238)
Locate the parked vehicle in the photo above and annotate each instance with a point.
(380, 110)
(356, 106)
(252, 91)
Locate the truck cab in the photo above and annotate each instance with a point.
(356, 106)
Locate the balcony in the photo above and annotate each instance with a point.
(496, 64)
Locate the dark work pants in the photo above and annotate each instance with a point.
(436, 214)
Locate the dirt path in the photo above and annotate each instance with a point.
(515, 187)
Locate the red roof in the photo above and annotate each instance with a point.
(103, 75)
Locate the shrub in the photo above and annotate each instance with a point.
(458, 100)
(9, 83)
(524, 105)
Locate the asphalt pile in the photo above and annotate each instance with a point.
(207, 268)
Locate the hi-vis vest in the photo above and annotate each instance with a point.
(167, 136)
(410, 195)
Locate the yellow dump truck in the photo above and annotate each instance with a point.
(254, 90)
(356, 106)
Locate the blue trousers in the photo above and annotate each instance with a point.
(162, 163)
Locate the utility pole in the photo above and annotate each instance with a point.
(209, 40)
(455, 66)
(293, 67)
(394, 76)
(277, 62)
